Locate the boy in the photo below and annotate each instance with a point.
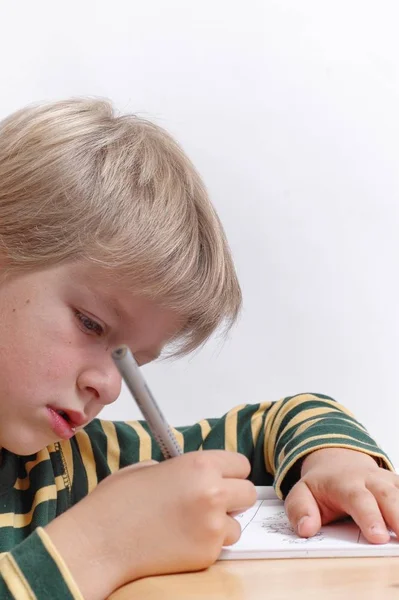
(107, 237)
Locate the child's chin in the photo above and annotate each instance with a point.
(25, 445)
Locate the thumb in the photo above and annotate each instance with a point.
(302, 510)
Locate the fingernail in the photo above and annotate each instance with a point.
(301, 522)
(378, 530)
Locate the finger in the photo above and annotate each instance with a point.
(361, 505)
(232, 464)
(241, 495)
(228, 464)
(302, 510)
(233, 531)
(387, 497)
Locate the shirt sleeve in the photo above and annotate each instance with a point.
(298, 425)
(34, 569)
(275, 436)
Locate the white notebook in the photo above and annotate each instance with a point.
(266, 533)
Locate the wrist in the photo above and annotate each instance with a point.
(80, 543)
(328, 456)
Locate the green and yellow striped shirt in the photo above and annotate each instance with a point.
(35, 489)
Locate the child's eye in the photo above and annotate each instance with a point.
(89, 325)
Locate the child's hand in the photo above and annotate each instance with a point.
(336, 482)
(166, 518)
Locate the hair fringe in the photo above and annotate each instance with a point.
(78, 182)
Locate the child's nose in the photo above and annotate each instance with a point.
(104, 386)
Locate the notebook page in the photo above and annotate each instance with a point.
(266, 533)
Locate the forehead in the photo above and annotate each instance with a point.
(129, 307)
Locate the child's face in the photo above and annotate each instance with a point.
(58, 328)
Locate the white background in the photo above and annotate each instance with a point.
(290, 110)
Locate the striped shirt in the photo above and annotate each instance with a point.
(35, 489)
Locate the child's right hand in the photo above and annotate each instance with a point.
(166, 518)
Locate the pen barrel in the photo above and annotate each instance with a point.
(147, 404)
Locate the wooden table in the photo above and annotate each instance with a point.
(294, 579)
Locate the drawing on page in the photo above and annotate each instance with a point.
(278, 523)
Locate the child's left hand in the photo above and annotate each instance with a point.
(336, 482)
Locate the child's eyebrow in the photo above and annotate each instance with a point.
(118, 309)
(93, 290)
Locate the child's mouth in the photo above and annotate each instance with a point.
(60, 423)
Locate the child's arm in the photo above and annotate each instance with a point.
(35, 569)
(280, 439)
(299, 425)
(166, 518)
(142, 520)
(330, 467)
(274, 436)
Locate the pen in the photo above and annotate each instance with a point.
(131, 374)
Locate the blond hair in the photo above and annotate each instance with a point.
(78, 182)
